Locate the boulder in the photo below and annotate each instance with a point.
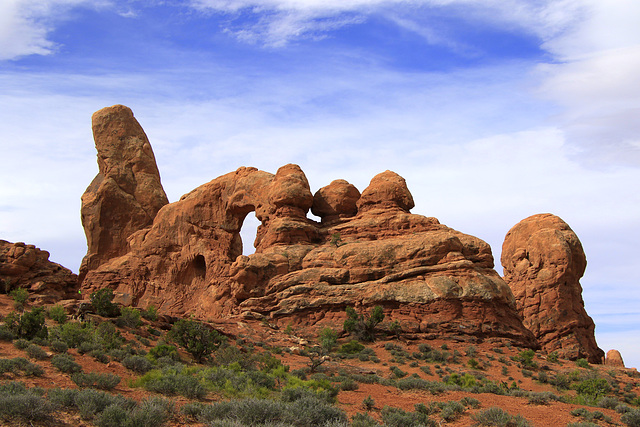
(614, 359)
(126, 194)
(543, 261)
(336, 201)
(25, 266)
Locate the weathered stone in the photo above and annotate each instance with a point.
(614, 359)
(126, 194)
(335, 201)
(432, 279)
(386, 190)
(25, 266)
(543, 261)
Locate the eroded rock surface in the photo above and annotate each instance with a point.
(126, 194)
(614, 359)
(368, 250)
(25, 266)
(543, 261)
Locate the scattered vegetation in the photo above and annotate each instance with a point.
(363, 326)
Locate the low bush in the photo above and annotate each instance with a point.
(129, 317)
(197, 338)
(631, 418)
(57, 313)
(363, 326)
(26, 405)
(101, 303)
(137, 364)
(36, 352)
(396, 417)
(95, 380)
(65, 363)
(499, 418)
(59, 346)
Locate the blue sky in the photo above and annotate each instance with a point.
(491, 110)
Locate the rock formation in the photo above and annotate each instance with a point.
(368, 249)
(614, 359)
(126, 194)
(543, 262)
(25, 266)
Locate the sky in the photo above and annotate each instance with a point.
(492, 110)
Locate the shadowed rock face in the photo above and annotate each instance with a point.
(28, 267)
(543, 262)
(368, 250)
(126, 194)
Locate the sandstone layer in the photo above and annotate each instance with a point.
(543, 261)
(368, 249)
(126, 194)
(25, 266)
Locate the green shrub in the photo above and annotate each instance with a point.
(631, 418)
(198, 339)
(164, 350)
(27, 406)
(363, 327)
(363, 420)
(36, 352)
(352, 347)
(137, 364)
(129, 317)
(20, 296)
(65, 363)
(73, 333)
(470, 402)
(29, 325)
(525, 357)
(593, 387)
(452, 410)
(583, 363)
(107, 337)
(151, 313)
(553, 357)
(492, 417)
(368, 403)
(95, 380)
(328, 338)
(21, 344)
(6, 334)
(101, 303)
(59, 346)
(57, 313)
(395, 417)
(90, 402)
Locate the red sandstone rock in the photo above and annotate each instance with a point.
(386, 190)
(543, 262)
(614, 359)
(25, 266)
(335, 201)
(126, 194)
(433, 279)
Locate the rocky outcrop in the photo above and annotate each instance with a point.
(25, 266)
(543, 262)
(126, 194)
(368, 250)
(614, 359)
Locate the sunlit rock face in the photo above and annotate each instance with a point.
(367, 250)
(543, 261)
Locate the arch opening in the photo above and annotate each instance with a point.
(248, 233)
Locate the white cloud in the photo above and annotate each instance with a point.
(25, 24)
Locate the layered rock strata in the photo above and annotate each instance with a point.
(25, 266)
(367, 250)
(543, 261)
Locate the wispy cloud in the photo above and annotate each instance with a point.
(25, 24)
